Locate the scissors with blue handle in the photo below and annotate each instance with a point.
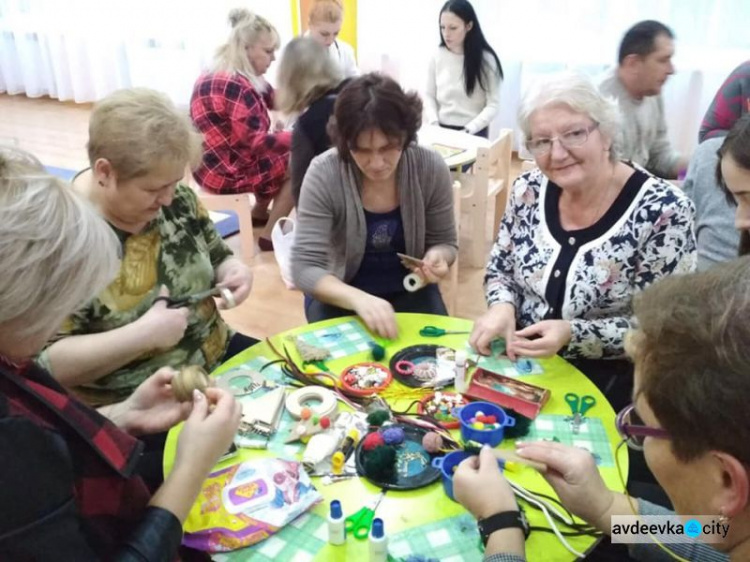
(579, 405)
(435, 332)
(359, 524)
(178, 302)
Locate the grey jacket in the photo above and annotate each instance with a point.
(642, 137)
(331, 231)
(718, 239)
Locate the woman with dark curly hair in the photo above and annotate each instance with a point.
(373, 196)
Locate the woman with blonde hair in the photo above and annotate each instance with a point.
(324, 25)
(139, 146)
(308, 82)
(87, 501)
(230, 105)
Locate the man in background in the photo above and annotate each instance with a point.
(644, 64)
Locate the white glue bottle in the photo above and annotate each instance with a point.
(336, 524)
(378, 542)
(460, 382)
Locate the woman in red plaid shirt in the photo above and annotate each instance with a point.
(230, 105)
(69, 482)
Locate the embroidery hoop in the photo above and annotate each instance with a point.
(225, 382)
(298, 399)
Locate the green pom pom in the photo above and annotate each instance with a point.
(378, 417)
(521, 429)
(377, 351)
(380, 463)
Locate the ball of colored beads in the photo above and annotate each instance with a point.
(372, 440)
(393, 436)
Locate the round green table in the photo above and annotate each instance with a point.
(404, 510)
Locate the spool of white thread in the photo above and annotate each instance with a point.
(413, 282)
(228, 298)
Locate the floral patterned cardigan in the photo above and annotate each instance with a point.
(588, 276)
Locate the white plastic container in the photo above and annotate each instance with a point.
(336, 524)
(460, 382)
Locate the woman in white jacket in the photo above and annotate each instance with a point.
(324, 24)
(463, 85)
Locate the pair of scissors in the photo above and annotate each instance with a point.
(435, 332)
(579, 405)
(177, 302)
(359, 524)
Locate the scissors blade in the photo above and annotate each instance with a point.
(198, 297)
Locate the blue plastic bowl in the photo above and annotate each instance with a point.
(492, 437)
(446, 464)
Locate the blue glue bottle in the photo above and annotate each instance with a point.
(336, 524)
(378, 542)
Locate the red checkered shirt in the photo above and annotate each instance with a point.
(239, 153)
(68, 486)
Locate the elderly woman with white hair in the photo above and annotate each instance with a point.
(582, 234)
(70, 489)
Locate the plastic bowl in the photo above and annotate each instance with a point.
(446, 465)
(492, 437)
(366, 391)
(447, 424)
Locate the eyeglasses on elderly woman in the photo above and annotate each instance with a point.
(570, 139)
(632, 429)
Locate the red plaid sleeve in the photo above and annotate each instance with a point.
(239, 152)
(731, 102)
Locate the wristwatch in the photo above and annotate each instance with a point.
(503, 520)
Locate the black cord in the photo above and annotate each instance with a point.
(579, 527)
(567, 533)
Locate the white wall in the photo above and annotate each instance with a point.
(537, 36)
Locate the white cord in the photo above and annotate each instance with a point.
(525, 494)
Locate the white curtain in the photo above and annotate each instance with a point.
(81, 50)
(532, 37)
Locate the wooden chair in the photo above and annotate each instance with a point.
(452, 283)
(238, 203)
(488, 180)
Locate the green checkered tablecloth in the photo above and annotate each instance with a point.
(300, 541)
(504, 366)
(455, 539)
(591, 437)
(286, 422)
(342, 340)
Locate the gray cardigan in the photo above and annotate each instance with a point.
(718, 239)
(331, 230)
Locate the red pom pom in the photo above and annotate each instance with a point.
(325, 422)
(372, 440)
(487, 419)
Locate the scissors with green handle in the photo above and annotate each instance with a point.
(359, 524)
(579, 405)
(435, 332)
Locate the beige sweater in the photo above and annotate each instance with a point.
(643, 128)
(331, 230)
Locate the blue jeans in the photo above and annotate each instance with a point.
(424, 301)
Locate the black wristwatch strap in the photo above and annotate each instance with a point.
(502, 520)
